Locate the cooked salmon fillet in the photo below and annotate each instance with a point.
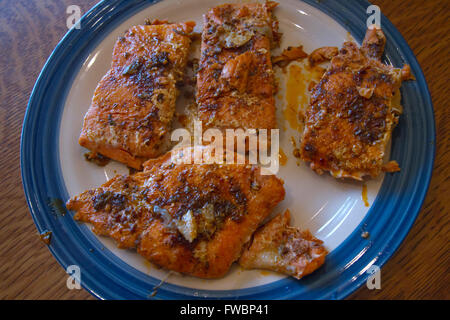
(322, 54)
(235, 83)
(134, 103)
(192, 219)
(278, 247)
(353, 110)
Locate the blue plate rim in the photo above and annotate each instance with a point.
(35, 176)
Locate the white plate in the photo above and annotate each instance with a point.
(331, 209)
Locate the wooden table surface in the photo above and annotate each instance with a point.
(29, 31)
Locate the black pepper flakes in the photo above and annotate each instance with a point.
(111, 122)
(133, 67)
(144, 96)
(255, 186)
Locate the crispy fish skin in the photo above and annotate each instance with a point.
(134, 103)
(278, 247)
(235, 84)
(352, 112)
(193, 219)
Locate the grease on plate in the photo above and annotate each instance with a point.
(296, 89)
(265, 273)
(283, 158)
(300, 76)
(364, 195)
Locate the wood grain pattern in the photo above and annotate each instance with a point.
(29, 31)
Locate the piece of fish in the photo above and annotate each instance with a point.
(134, 103)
